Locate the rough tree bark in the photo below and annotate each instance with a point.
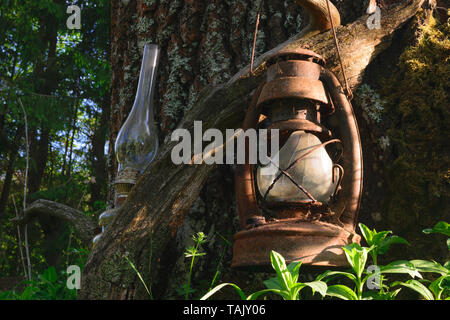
(154, 217)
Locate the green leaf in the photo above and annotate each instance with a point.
(416, 286)
(401, 266)
(379, 295)
(356, 257)
(294, 269)
(295, 289)
(318, 286)
(273, 283)
(28, 293)
(199, 238)
(281, 293)
(366, 233)
(283, 274)
(330, 273)
(440, 227)
(439, 285)
(50, 274)
(447, 265)
(220, 286)
(386, 243)
(341, 292)
(429, 266)
(381, 241)
(379, 237)
(194, 254)
(139, 276)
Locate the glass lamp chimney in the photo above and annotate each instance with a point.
(137, 142)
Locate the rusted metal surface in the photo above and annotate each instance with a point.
(297, 54)
(246, 202)
(126, 178)
(293, 87)
(304, 230)
(294, 68)
(298, 79)
(317, 244)
(350, 197)
(123, 184)
(301, 124)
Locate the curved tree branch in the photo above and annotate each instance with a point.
(83, 225)
(319, 19)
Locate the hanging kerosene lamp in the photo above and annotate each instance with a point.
(305, 207)
(137, 142)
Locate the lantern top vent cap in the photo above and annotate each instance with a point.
(296, 54)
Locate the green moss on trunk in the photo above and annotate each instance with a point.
(418, 171)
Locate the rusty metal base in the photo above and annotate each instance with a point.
(314, 243)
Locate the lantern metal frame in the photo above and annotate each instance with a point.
(310, 231)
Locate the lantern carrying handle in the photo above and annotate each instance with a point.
(246, 201)
(350, 197)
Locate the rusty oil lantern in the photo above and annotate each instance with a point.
(307, 209)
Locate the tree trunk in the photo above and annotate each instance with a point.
(10, 170)
(97, 155)
(46, 80)
(72, 138)
(38, 155)
(204, 76)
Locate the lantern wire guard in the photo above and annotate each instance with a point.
(299, 94)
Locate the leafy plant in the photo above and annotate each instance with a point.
(50, 285)
(441, 227)
(379, 241)
(357, 256)
(284, 284)
(193, 252)
(440, 288)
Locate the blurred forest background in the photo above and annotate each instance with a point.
(60, 79)
(65, 93)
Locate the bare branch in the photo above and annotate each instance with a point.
(83, 225)
(25, 187)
